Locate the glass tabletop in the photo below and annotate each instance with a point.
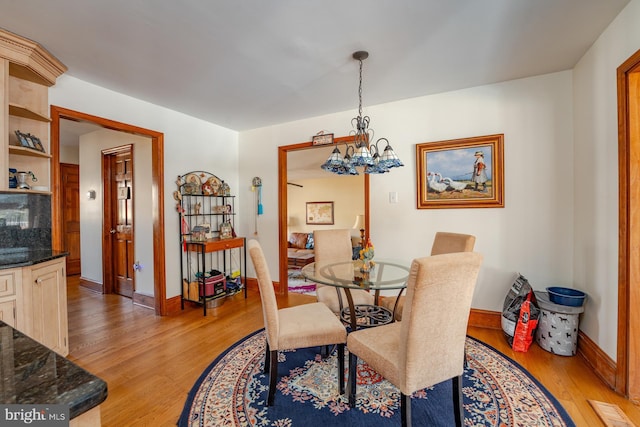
(383, 275)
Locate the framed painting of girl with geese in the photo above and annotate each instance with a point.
(461, 173)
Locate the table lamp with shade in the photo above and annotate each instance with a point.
(292, 222)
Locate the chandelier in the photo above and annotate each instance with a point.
(362, 152)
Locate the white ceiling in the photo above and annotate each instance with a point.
(250, 63)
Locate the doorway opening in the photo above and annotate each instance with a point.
(283, 151)
(157, 191)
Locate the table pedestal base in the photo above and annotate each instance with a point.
(367, 316)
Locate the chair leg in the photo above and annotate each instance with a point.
(341, 368)
(458, 408)
(465, 365)
(405, 410)
(351, 383)
(395, 304)
(273, 377)
(267, 358)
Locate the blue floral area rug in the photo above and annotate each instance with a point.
(233, 391)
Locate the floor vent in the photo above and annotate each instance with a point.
(611, 415)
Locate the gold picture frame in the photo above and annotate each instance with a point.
(461, 173)
(320, 213)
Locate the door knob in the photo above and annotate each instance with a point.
(112, 231)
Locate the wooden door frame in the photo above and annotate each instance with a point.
(157, 191)
(628, 353)
(281, 287)
(107, 207)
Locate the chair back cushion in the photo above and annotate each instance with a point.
(267, 293)
(446, 243)
(332, 246)
(434, 322)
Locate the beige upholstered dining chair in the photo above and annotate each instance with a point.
(331, 246)
(428, 346)
(443, 243)
(302, 326)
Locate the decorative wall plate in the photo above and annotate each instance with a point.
(192, 183)
(193, 178)
(214, 183)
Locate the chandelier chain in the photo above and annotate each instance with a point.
(360, 92)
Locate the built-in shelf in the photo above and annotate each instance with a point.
(24, 151)
(28, 71)
(20, 190)
(22, 111)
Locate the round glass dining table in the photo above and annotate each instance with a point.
(348, 275)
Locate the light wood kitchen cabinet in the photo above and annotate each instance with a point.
(9, 280)
(42, 305)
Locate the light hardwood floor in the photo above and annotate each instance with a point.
(150, 363)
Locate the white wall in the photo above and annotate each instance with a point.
(69, 155)
(532, 234)
(91, 211)
(596, 175)
(346, 193)
(189, 144)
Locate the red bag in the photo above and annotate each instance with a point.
(525, 327)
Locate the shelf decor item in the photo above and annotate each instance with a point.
(207, 189)
(225, 190)
(13, 181)
(29, 141)
(213, 186)
(22, 178)
(37, 144)
(22, 139)
(226, 231)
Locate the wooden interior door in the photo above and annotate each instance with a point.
(70, 177)
(119, 254)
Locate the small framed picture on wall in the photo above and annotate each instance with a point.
(320, 213)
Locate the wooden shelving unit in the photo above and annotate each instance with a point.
(27, 71)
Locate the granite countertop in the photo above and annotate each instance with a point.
(33, 374)
(20, 257)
